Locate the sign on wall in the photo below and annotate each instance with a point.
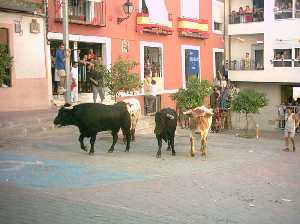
(191, 63)
(125, 46)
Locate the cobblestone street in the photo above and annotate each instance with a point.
(46, 178)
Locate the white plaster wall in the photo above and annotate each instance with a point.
(287, 30)
(242, 44)
(266, 118)
(246, 28)
(278, 34)
(28, 51)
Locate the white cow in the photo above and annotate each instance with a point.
(202, 119)
(135, 111)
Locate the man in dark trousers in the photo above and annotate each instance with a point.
(96, 79)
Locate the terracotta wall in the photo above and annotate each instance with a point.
(172, 43)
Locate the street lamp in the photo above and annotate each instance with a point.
(128, 9)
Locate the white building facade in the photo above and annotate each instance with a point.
(263, 51)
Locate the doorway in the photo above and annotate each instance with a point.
(190, 63)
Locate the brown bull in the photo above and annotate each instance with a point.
(202, 119)
(135, 111)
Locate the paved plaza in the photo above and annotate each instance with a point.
(46, 178)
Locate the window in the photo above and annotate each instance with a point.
(218, 26)
(152, 62)
(218, 15)
(282, 58)
(144, 7)
(297, 9)
(190, 9)
(219, 65)
(4, 54)
(297, 57)
(90, 12)
(283, 9)
(247, 13)
(157, 11)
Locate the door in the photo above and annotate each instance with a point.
(191, 64)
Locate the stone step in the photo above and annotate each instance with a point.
(44, 124)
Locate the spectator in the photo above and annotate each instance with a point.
(290, 128)
(91, 56)
(247, 61)
(60, 66)
(248, 14)
(74, 84)
(281, 115)
(150, 98)
(97, 82)
(225, 70)
(242, 15)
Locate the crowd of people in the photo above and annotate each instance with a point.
(246, 15)
(220, 100)
(284, 9)
(83, 74)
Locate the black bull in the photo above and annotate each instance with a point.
(92, 118)
(165, 127)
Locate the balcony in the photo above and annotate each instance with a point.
(238, 65)
(144, 24)
(236, 18)
(83, 12)
(194, 28)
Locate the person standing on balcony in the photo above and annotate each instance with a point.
(225, 70)
(242, 15)
(290, 128)
(248, 14)
(247, 61)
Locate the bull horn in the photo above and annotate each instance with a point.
(171, 117)
(69, 108)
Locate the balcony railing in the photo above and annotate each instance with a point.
(87, 13)
(246, 65)
(257, 16)
(286, 62)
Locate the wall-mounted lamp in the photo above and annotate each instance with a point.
(18, 27)
(128, 9)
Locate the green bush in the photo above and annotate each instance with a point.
(248, 101)
(194, 94)
(5, 63)
(120, 78)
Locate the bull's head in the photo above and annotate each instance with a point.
(64, 116)
(160, 121)
(200, 112)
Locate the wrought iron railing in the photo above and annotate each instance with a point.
(245, 65)
(87, 13)
(257, 16)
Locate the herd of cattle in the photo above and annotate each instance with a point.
(92, 118)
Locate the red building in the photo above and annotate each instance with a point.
(172, 38)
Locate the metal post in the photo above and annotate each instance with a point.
(67, 53)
